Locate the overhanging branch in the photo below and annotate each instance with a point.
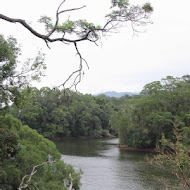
(73, 32)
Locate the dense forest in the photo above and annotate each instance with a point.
(141, 120)
(60, 113)
(29, 117)
(159, 114)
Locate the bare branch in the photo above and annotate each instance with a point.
(24, 184)
(23, 22)
(76, 74)
(71, 182)
(74, 9)
(84, 31)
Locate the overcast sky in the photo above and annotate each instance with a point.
(121, 62)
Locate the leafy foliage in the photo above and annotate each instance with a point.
(22, 149)
(84, 30)
(8, 144)
(56, 113)
(158, 118)
(143, 119)
(13, 81)
(174, 156)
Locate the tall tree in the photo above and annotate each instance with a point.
(144, 119)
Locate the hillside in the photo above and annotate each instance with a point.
(116, 94)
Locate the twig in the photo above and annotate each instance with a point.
(25, 184)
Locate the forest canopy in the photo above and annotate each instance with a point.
(145, 118)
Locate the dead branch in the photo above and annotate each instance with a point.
(26, 183)
(71, 182)
(76, 74)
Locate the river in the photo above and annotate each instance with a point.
(106, 167)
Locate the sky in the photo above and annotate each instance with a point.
(121, 62)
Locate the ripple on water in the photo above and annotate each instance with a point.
(106, 167)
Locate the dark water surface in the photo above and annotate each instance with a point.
(106, 167)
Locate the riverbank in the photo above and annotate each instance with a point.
(120, 146)
(125, 147)
(83, 137)
(105, 166)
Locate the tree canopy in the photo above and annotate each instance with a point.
(21, 148)
(145, 118)
(60, 113)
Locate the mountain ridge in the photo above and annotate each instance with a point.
(116, 94)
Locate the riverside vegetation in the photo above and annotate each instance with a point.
(158, 117)
(27, 159)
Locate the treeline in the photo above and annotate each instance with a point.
(60, 113)
(140, 120)
(144, 120)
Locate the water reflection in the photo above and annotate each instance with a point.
(106, 167)
(80, 147)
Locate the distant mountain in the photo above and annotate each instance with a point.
(117, 94)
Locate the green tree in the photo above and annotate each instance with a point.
(148, 116)
(53, 114)
(12, 81)
(24, 149)
(174, 155)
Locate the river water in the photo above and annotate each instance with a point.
(106, 167)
